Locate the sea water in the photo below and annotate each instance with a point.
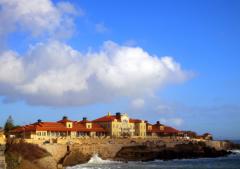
(229, 162)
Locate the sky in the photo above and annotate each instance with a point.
(167, 60)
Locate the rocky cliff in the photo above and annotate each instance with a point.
(179, 151)
(28, 156)
(53, 156)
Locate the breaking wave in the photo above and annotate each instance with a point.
(232, 161)
(95, 159)
(235, 151)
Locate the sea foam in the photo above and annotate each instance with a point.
(235, 151)
(95, 159)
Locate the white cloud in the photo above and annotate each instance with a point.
(101, 28)
(172, 121)
(164, 109)
(35, 16)
(138, 103)
(55, 74)
(11, 68)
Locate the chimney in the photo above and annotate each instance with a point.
(84, 119)
(118, 115)
(109, 114)
(158, 122)
(65, 118)
(39, 121)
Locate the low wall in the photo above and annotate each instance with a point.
(58, 151)
(2, 157)
(218, 145)
(108, 148)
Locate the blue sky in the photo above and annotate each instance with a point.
(201, 36)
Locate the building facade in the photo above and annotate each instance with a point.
(114, 126)
(120, 125)
(2, 137)
(160, 130)
(64, 128)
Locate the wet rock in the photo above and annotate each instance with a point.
(180, 151)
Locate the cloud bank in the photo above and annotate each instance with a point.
(55, 74)
(52, 73)
(39, 17)
(172, 121)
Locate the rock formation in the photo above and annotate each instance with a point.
(53, 156)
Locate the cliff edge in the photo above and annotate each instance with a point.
(28, 156)
(55, 156)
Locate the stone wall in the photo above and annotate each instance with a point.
(83, 149)
(218, 145)
(2, 157)
(58, 151)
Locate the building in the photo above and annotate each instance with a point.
(161, 130)
(2, 149)
(205, 136)
(114, 126)
(120, 125)
(2, 137)
(64, 128)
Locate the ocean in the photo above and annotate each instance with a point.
(230, 162)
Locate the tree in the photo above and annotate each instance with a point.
(9, 125)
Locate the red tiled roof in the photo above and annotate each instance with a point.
(85, 121)
(110, 118)
(166, 129)
(58, 126)
(64, 121)
(135, 121)
(106, 118)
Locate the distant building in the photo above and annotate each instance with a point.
(205, 136)
(161, 130)
(189, 134)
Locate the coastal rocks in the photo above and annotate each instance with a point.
(58, 151)
(75, 157)
(231, 146)
(81, 153)
(180, 151)
(28, 156)
(52, 156)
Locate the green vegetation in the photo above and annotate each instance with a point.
(9, 125)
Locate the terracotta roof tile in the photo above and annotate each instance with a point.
(135, 120)
(166, 129)
(106, 118)
(57, 126)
